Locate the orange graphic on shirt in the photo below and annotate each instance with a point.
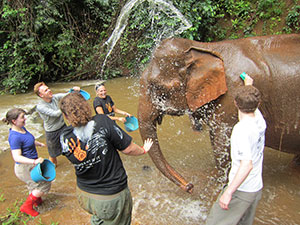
(76, 150)
(108, 106)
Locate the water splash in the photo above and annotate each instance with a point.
(123, 21)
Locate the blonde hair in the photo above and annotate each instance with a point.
(36, 88)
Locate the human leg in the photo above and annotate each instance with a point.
(36, 190)
(53, 160)
(38, 194)
(238, 205)
(107, 209)
(53, 144)
(27, 206)
(248, 217)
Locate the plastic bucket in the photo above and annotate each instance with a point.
(85, 94)
(131, 123)
(43, 172)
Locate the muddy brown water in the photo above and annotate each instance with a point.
(156, 200)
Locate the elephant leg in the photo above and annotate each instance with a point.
(220, 139)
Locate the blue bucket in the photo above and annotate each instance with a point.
(131, 123)
(43, 172)
(85, 94)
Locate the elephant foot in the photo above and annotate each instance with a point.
(188, 188)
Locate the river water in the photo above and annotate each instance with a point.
(157, 201)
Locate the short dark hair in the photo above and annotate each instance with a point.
(76, 109)
(247, 98)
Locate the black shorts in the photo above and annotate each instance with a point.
(53, 142)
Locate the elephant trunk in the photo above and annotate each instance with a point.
(148, 121)
(163, 166)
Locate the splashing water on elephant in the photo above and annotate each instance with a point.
(156, 7)
(156, 200)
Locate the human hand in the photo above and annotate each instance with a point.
(37, 143)
(127, 114)
(122, 119)
(76, 88)
(248, 80)
(225, 200)
(38, 160)
(147, 144)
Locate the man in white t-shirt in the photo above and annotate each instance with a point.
(238, 201)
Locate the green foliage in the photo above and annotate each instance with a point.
(293, 19)
(204, 16)
(64, 40)
(268, 9)
(2, 198)
(50, 40)
(14, 216)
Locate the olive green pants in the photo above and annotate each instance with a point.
(241, 210)
(107, 209)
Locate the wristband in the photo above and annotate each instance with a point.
(34, 161)
(144, 150)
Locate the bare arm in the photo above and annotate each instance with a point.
(37, 143)
(242, 173)
(134, 149)
(121, 119)
(17, 156)
(99, 110)
(120, 111)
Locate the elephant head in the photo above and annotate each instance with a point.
(183, 75)
(180, 78)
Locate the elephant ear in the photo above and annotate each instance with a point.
(205, 79)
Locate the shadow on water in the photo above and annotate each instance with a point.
(157, 201)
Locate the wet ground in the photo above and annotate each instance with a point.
(157, 201)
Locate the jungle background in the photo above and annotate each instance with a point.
(64, 40)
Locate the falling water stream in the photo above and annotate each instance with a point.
(122, 22)
(156, 200)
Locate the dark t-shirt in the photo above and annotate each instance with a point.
(106, 104)
(97, 163)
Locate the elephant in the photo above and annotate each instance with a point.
(199, 79)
